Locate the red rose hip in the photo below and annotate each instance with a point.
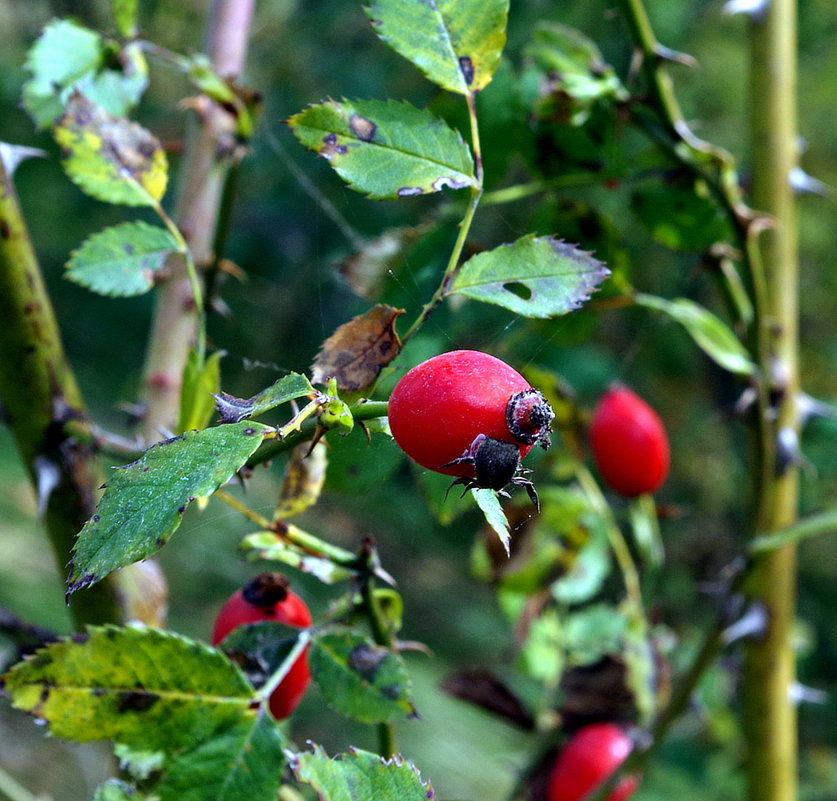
(267, 597)
(629, 442)
(468, 414)
(588, 759)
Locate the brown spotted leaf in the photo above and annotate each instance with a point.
(111, 158)
(358, 350)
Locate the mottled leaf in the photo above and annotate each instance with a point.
(710, 333)
(386, 149)
(534, 277)
(289, 387)
(489, 503)
(121, 260)
(455, 43)
(358, 350)
(147, 688)
(359, 679)
(241, 762)
(68, 57)
(201, 380)
(303, 481)
(144, 501)
(111, 158)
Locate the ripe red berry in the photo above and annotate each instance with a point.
(590, 756)
(629, 442)
(468, 414)
(267, 597)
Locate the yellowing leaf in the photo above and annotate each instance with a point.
(111, 158)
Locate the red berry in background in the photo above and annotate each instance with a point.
(267, 597)
(468, 414)
(588, 759)
(629, 442)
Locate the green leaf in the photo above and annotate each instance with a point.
(68, 57)
(144, 501)
(201, 380)
(240, 762)
(110, 158)
(455, 43)
(149, 689)
(533, 277)
(291, 386)
(572, 69)
(121, 260)
(116, 790)
(361, 776)
(359, 679)
(489, 504)
(681, 215)
(267, 545)
(709, 332)
(809, 526)
(125, 13)
(642, 512)
(594, 632)
(386, 149)
(260, 648)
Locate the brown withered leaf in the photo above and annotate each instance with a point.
(358, 350)
(485, 690)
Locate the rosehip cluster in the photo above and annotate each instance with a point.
(267, 597)
(470, 415)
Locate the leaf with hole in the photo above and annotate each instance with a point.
(110, 158)
(144, 501)
(123, 260)
(534, 277)
(456, 43)
(386, 149)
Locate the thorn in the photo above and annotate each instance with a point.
(48, 476)
(756, 9)
(13, 155)
(804, 184)
(674, 56)
(753, 623)
(810, 407)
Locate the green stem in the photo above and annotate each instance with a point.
(41, 398)
(464, 227)
(14, 790)
(769, 665)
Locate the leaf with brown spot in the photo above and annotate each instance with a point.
(358, 350)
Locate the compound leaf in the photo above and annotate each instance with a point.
(361, 776)
(121, 260)
(144, 687)
(386, 149)
(709, 332)
(144, 501)
(534, 277)
(359, 679)
(456, 43)
(111, 158)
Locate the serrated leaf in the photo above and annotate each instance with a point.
(269, 546)
(201, 380)
(144, 501)
(110, 158)
(361, 776)
(147, 688)
(533, 277)
(708, 331)
(68, 57)
(289, 387)
(357, 351)
(359, 679)
(455, 43)
(489, 504)
(244, 761)
(386, 149)
(121, 260)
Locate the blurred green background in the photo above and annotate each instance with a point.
(294, 297)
